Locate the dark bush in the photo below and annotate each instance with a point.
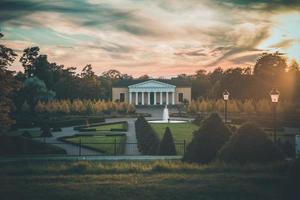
(26, 134)
(293, 182)
(208, 140)
(167, 146)
(148, 141)
(250, 144)
(46, 131)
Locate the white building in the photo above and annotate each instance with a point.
(151, 92)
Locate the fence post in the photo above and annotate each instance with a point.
(80, 146)
(183, 147)
(115, 147)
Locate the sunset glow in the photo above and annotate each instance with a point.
(155, 37)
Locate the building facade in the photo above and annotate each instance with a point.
(151, 92)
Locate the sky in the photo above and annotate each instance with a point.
(160, 38)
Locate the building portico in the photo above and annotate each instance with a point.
(151, 92)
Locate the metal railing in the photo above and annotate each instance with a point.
(59, 148)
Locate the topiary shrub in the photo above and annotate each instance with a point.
(293, 182)
(250, 144)
(208, 140)
(148, 141)
(167, 146)
(46, 131)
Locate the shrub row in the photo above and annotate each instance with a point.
(148, 141)
(56, 122)
(262, 106)
(83, 107)
(89, 128)
(248, 144)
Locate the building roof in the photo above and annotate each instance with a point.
(128, 82)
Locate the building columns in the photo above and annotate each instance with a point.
(173, 98)
(161, 99)
(167, 98)
(148, 103)
(130, 97)
(158, 98)
(136, 98)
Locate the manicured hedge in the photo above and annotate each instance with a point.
(88, 128)
(17, 145)
(60, 121)
(148, 141)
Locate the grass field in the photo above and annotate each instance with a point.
(141, 180)
(180, 131)
(103, 144)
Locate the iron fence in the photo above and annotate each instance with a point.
(59, 148)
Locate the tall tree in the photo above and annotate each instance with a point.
(36, 90)
(8, 84)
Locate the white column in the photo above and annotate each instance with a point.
(143, 98)
(136, 98)
(154, 98)
(161, 100)
(149, 98)
(167, 98)
(130, 97)
(173, 98)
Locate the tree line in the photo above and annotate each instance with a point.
(42, 80)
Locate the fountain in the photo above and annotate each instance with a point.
(166, 114)
(166, 118)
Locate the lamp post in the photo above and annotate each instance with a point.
(274, 94)
(226, 98)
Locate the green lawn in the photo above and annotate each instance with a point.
(141, 180)
(180, 131)
(101, 143)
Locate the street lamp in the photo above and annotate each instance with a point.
(226, 98)
(274, 94)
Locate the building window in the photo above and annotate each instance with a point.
(180, 97)
(122, 97)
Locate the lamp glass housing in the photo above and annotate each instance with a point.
(274, 94)
(226, 95)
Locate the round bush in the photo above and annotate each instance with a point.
(250, 144)
(208, 140)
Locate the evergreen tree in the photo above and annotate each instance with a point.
(8, 84)
(167, 145)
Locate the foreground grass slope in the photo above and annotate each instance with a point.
(141, 180)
